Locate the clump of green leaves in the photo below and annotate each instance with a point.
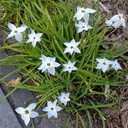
(55, 21)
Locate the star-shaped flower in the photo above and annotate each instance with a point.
(27, 113)
(52, 109)
(16, 31)
(103, 64)
(116, 21)
(82, 26)
(83, 13)
(69, 67)
(34, 38)
(64, 98)
(109, 22)
(49, 64)
(72, 47)
(116, 65)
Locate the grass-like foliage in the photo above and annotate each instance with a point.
(54, 19)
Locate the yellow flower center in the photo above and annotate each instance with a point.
(52, 109)
(104, 63)
(83, 11)
(15, 31)
(34, 37)
(26, 112)
(120, 17)
(71, 47)
(69, 67)
(48, 64)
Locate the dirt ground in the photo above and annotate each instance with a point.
(116, 118)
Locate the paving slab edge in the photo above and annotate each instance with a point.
(20, 96)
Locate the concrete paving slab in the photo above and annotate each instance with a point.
(18, 99)
(7, 117)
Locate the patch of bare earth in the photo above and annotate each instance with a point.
(117, 118)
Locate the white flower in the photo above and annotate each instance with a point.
(103, 64)
(82, 26)
(64, 98)
(69, 67)
(52, 109)
(117, 21)
(49, 64)
(83, 13)
(16, 32)
(109, 22)
(72, 47)
(34, 38)
(27, 113)
(115, 65)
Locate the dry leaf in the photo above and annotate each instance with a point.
(14, 82)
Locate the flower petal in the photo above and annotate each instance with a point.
(19, 37)
(89, 10)
(55, 64)
(74, 68)
(67, 44)
(54, 103)
(46, 109)
(34, 114)
(98, 66)
(11, 26)
(33, 43)
(39, 34)
(51, 70)
(86, 18)
(79, 15)
(26, 119)
(20, 110)
(43, 68)
(123, 23)
(54, 114)
(108, 22)
(31, 106)
(79, 30)
(11, 35)
(21, 29)
(29, 40)
(51, 59)
(43, 58)
(50, 114)
(116, 24)
(104, 69)
(66, 50)
(23, 116)
(115, 18)
(58, 108)
(77, 50)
